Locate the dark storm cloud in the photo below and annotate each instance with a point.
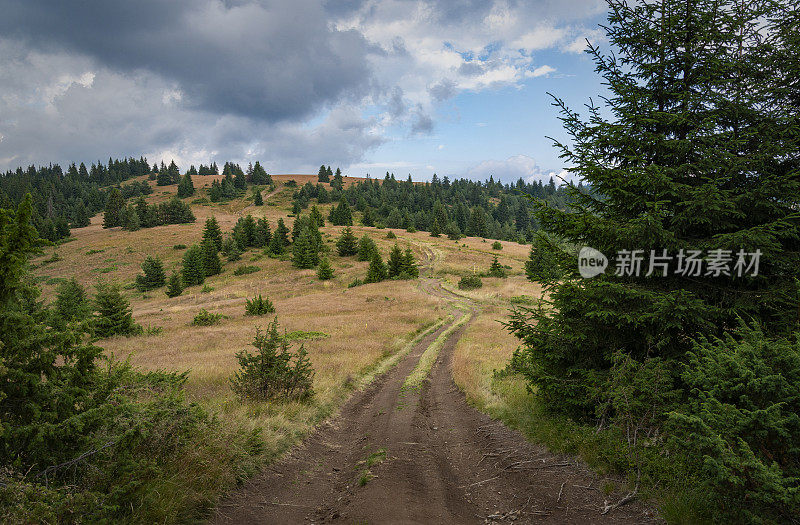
(255, 59)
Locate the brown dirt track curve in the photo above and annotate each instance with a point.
(444, 462)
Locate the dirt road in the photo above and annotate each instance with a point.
(422, 455)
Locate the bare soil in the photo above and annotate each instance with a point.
(394, 455)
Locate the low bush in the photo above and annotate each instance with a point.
(258, 306)
(179, 247)
(355, 282)
(390, 235)
(496, 245)
(470, 282)
(244, 270)
(206, 318)
(274, 370)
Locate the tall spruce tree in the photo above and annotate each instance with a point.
(192, 271)
(280, 238)
(212, 232)
(114, 205)
(153, 274)
(395, 262)
(347, 244)
(114, 315)
(702, 154)
(185, 186)
(377, 269)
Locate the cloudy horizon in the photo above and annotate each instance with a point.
(455, 87)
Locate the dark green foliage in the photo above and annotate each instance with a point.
(258, 200)
(246, 270)
(153, 277)
(453, 231)
(390, 235)
(347, 244)
(71, 304)
(129, 219)
(113, 313)
(366, 248)
(368, 219)
(470, 282)
(497, 245)
(185, 187)
(322, 176)
(340, 215)
(317, 217)
(178, 246)
(174, 285)
(259, 176)
(211, 263)
(114, 204)
(496, 269)
(410, 268)
(280, 238)
(192, 271)
(356, 282)
(544, 261)
(212, 232)
(741, 425)
(377, 269)
(304, 250)
(396, 262)
(258, 306)
(206, 318)
(273, 371)
(73, 195)
(324, 272)
(436, 229)
(261, 235)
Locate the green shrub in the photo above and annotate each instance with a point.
(470, 282)
(114, 315)
(324, 272)
(258, 306)
(366, 248)
(273, 371)
(544, 262)
(175, 285)
(245, 270)
(741, 426)
(496, 269)
(206, 318)
(497, 245)
(390, 235)
(179, 247)
(153, 276)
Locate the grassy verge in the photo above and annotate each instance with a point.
(507, 398)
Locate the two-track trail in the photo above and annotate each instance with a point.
(401, 454)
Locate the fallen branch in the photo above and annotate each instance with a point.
(560, 491)
(627, 499)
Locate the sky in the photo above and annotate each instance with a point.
(453, 87)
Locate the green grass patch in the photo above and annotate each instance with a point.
(302, 335)
(245, 270)
(423, 368)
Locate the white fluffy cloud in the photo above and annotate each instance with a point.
(515, 168)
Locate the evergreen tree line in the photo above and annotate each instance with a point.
(67, 199)
(457, 208)
(142, 215)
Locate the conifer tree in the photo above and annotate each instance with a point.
(322, 176)
(211, 262)
(192, 270)
(324, 272)
(164, 177)
(280, 238)
(395, 262)
(71, 303)
(174, 173)
(130, 219)
(301, 250)
(114, 315)
(368, 219)
(341, 215)
(212, 232)
(153, 274)
(261, 234)
(366, 248)
(258, 200)
(377, 270)
(698, 157)
(347, 244)
(81, 216)
(185, 187)
(317, 217)
(496, 269)
(410, 264)
(435, 228)
(175, 285)
(113, 211)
